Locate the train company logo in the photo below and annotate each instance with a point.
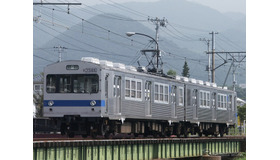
(86, 70)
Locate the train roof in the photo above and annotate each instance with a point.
(109, 65)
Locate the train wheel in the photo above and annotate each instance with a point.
(221, 133)
(84, 135)
(62, 129)
(71, 135)
(93, 135)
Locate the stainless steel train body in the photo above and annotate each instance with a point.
(102, 93)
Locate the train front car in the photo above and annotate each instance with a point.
(72, 96)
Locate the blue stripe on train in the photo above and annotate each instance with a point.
(74, 103)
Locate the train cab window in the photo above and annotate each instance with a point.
(51, 84)
(77, 83)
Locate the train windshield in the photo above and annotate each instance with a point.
(74, 83)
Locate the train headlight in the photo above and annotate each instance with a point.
(92, 103)
(50, 103)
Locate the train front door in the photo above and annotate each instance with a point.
(117, 94)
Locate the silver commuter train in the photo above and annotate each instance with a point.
(97, 97)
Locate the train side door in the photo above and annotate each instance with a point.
(195, 103)
(148, 101)
(214, 106)
(117, 93)
(173, 101)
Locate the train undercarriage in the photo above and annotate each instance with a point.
(94, 127)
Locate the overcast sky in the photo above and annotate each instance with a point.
(220, 5)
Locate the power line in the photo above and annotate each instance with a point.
(42, 58)
(125, 9)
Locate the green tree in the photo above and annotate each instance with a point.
(171, 72)
(38, 97)
(241, 111)
(186, 69)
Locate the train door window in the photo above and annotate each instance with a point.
(189, 97)
(147, 90)
(181, 96)
(208, 99)
(173, 94)
(115, 86)
(148, 97)
(230, 102)
(214, 100)
(106, 91)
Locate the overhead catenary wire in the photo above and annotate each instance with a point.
(111, 16)
(177, 34)
(125, 9)
(93, 35)
(99, 26)
(105, 54)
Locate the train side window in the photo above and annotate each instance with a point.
(204, 99)
(166, 94)
(161, 93)
(222, 101)
(127, 88)
(133, 89)
(156, 92)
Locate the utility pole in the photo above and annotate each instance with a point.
(159, 23)
(213, 55)
(60, 50)
(208, 68)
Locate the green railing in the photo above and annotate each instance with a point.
(134, 149)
